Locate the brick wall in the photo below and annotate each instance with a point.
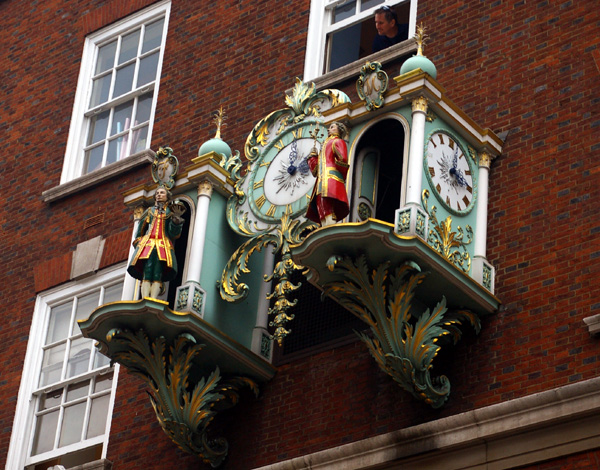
(527, 68)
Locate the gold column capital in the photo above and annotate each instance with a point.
(419, 104)
(485, 160)
(205, 188)
(137, 212)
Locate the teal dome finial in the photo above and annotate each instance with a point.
(419, 61)
(216, 144)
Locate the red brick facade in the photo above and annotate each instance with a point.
(527, 69)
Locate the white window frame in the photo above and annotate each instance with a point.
(74, 155)
(22, 432)
(319, 26)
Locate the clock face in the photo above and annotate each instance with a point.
(281, 180)
(450, 173)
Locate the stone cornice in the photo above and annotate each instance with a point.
(513, 433)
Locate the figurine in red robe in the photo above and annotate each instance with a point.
(154, 259)
(329, 200)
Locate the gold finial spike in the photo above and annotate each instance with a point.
(421, 38)
(219, 120)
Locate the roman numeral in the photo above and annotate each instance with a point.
(260, 201)
(441, 139)
(451, 144)
(279, 145)
(258, 184)
(271, 211)
(297, 133)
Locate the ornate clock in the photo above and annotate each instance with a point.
(450, 172)
(280, 178)
(277, 180)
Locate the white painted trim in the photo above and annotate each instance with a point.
(20, 442)
(518, 432)
(72, 165)
(319, 25)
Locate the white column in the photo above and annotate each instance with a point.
(260, 332)
(481, 270)
(482, 205)
(130, 283)
(205, 190)
(415, 155)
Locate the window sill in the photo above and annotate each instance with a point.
(98, 176)
(102, 464)
(352, 69)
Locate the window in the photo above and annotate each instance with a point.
(117, 92)
(342, 31)
(67, 385)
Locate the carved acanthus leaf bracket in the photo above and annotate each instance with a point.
(183, 412)
(404, 341)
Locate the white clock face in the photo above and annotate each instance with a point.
(450, 173)
(288, 177)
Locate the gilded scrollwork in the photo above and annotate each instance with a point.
(448, 243)
(405, 342)
(183, 413)
(231, 288)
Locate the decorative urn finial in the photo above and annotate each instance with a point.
(419, 61)
(216, 144)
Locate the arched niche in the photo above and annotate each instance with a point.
(379, 168)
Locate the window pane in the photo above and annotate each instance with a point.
(344, 11)
(85, 305)
(58, 325)
(98, 127)
(117, 149)
(124, 80)
(345, 46)
(50, 399)
(122, 118)
(93, 159)
(147, 72)
(97, 422)
(72, 424)
(103, 382)
(153, 35)
(144, 108)
(52, 363)
(140, 137)
(129, 46)
(366, 4)
(100, 90)
(113, 293)
(79, 356)
(78, 390)
(100, 360)
(106, 57)
(45, 431)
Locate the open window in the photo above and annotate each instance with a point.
(342, 31)
(67, 387)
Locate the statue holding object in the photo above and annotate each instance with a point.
(154, 260)
(329, 200)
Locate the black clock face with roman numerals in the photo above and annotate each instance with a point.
(450, 173)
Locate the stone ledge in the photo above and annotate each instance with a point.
(514, 433)
(98, 176)
(352, 70)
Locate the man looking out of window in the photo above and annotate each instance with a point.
(389, 31)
